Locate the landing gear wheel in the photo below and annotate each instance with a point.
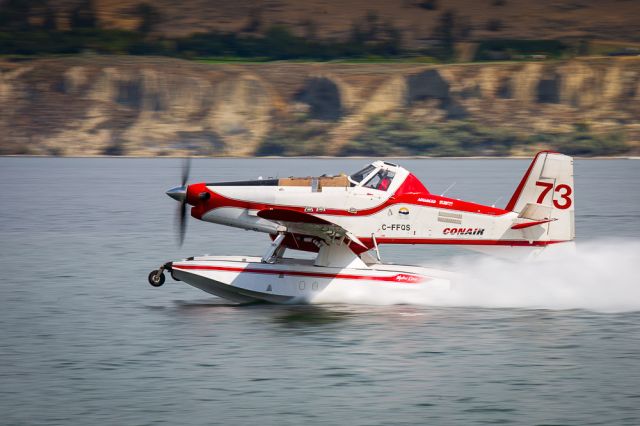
(156, 278)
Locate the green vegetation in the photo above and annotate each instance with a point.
(582, 141)
(29, 27)
(296, 139)
(467, 138)
(278, 43)
(428, 4)
(520, 49)
(66, 42)
(400, 137)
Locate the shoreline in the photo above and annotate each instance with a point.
(326, 157)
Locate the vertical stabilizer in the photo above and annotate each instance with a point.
(546, 193)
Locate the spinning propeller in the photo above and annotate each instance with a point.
(179, 193)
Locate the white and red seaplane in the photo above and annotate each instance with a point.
(344, 219)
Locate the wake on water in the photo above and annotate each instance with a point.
(598, 275)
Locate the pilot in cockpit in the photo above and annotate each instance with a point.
(373, 176)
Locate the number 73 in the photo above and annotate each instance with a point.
(563, 190)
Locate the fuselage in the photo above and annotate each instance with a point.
(382, 204)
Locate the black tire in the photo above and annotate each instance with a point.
(155, 279)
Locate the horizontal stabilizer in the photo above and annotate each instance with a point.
(535, 211)
(530, 224)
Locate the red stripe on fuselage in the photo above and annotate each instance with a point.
(398, 278)
(459, 241)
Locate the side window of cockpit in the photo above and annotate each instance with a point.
(381, 181)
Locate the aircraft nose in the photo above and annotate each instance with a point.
(179, 193)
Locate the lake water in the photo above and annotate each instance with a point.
(85, 340)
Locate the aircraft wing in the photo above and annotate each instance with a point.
(308, 224)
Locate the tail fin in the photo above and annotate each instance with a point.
(546, 194)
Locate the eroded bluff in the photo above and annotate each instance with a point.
(147, 107)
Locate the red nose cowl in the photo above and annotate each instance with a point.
(200, 197)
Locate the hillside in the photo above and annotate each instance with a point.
(518, 19)
(112, 105)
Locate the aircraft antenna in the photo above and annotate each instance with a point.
(496, 202)
(447, 190)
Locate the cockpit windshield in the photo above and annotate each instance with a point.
(358, 176)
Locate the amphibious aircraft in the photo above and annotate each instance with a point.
(345, 218)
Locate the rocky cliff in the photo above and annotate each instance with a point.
(158, 106)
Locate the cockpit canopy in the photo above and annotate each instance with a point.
(377, 175)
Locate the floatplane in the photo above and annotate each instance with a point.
(344, 219)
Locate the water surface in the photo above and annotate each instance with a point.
(85, 340)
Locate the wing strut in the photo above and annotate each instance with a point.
(275, 250)
(375, 245)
